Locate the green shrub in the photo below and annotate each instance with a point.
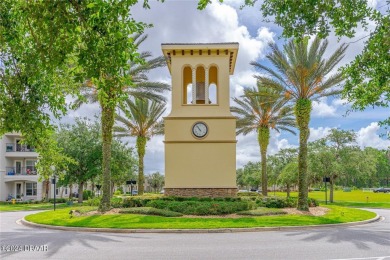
(312, 202)
(116, 202)
(194, 207)
(93, 202)
(58, 200)
(87, 194)
(150, 211)
(245, 194)
(118, 192)
(262, 212)
(135, 201)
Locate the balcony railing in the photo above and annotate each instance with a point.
(29, 170)
(10, 147)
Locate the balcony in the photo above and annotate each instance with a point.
(29, 170)
(11, 147)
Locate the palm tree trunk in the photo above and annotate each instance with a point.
(107, 124)
(141, 145)
(302, 113)
(263, 138)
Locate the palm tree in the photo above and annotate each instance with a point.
(261, 113)
(140, 87)
(141, 118)
(301, 74)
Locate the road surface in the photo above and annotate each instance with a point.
(368, 242)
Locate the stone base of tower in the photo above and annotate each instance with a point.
(201, 192)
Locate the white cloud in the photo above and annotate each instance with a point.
(322, 109)
(318, 133)
(368, 136)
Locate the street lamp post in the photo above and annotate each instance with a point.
(53, 181)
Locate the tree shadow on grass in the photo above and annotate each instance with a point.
(359, 237)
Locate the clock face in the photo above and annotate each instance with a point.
(199, 129)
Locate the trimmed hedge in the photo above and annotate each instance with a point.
(203, 207)
(58, 200)
(150, 211)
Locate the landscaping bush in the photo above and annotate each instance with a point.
(87, 194)
(118, 192)
(262, 212)
(58, 200)
(312, 202)
(136, 201)
(150, 211)
(116, 202)
(93, 202)
(193, 207)
(21, 202)
(249, 193)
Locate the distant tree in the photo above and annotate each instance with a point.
(249, 176)
(140, 118)
(156, 181)
(261, 114)
(82, 143)
(289, 176)
(123, 163)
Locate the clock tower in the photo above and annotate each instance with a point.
(200, 132)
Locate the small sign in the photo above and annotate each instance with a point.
(326, 179)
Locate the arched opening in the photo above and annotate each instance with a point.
(189, 94)
(187, 85)
(212, 94)
(213, 85)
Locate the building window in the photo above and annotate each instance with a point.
(30, 167)
(57, 191)
(31, 189)
(66, 191)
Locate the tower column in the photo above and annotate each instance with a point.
(193, 85)
(206, 86)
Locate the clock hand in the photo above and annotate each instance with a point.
(198, 128)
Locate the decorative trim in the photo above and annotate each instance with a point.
(193, 86)
(198, 117)
(206, 86)
(201, 192)
(200, 141)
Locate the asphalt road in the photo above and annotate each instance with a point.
(369, 242)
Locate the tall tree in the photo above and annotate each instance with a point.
(261, 113)
(109, 91)
(141, 119)
(69, 42)
(301, 74)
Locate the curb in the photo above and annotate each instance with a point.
(219, 230)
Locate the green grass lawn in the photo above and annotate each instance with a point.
(20, 207)
(62, 218)
(354, 198)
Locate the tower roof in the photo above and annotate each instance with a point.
(224, 48)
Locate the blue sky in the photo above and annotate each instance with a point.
(179, 21)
